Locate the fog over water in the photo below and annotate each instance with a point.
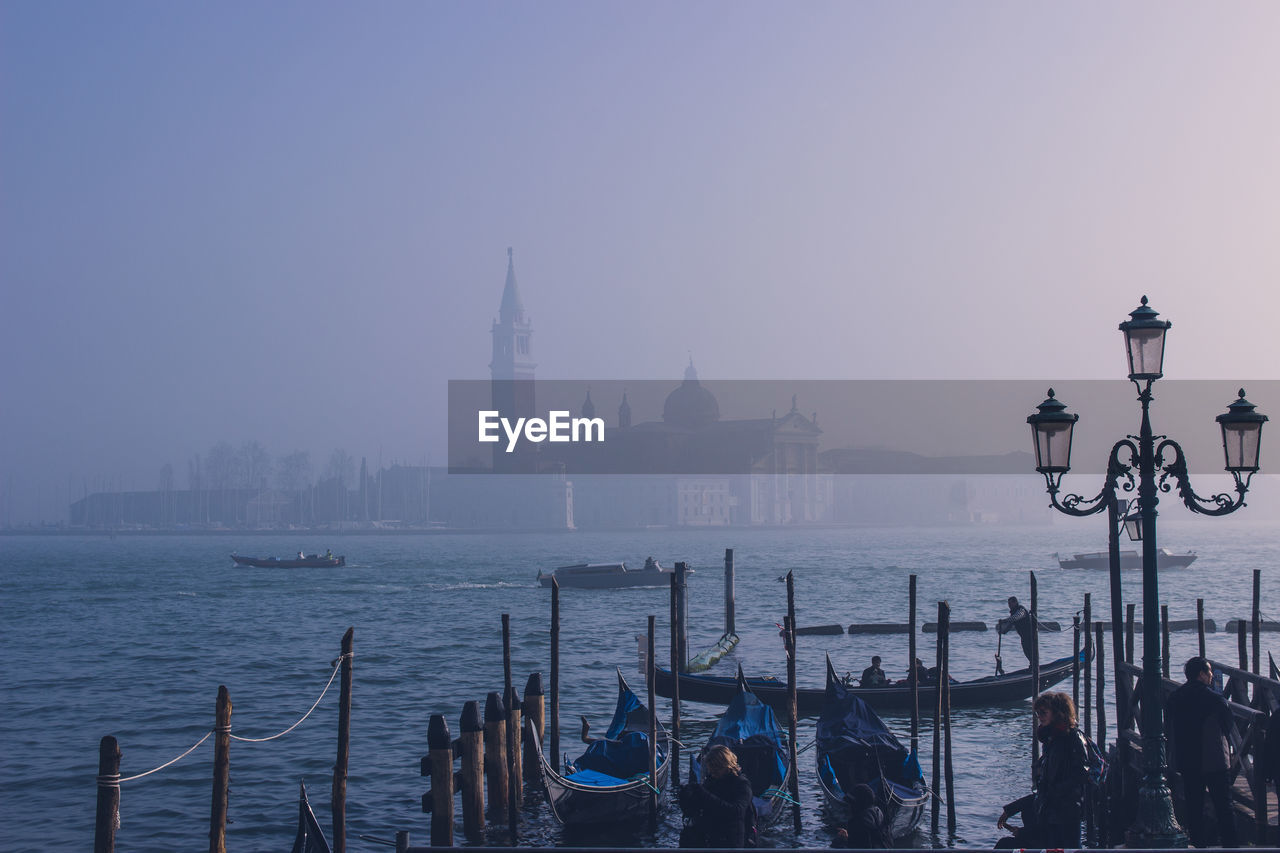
(288, 224)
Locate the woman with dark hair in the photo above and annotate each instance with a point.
(718, 808)
(867, 828)
(1051, 814)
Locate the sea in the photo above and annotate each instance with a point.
(132, 635)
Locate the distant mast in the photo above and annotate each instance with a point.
(511, 370)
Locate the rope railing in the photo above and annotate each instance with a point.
(108, 782)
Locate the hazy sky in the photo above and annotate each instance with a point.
(288, 221)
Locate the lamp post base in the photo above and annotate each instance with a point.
(1155, 827)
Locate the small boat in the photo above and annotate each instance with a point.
(750, 729)
(854, 746)
(312, 561)
(610, 781)
(310, 839)
(979, 693)
(608, 575)
(1165, 559)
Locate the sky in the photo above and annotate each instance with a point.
(288, 222)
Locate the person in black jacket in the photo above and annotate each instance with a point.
(1200, 725)
(1051, 814)
(718, 806)
(867, 828)
(1019, 619)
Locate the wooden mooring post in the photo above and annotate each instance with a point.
(730, 625)
(1035, 671)
(912, 677)
(439, 766)
(512, 745)
(944, 688)
(1101, 815)
(675, 685)
(682, 613)
(1257, 625)
(650, 663)
(534, 706)
(108, 814)
(1164, 640)
(495, 756)
(792, 703)
(221, 772)
(339, 796)
(1088, 656)
(471, 776)
(554, 742)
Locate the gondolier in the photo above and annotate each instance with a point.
(1018, 620)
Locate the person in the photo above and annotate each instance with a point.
(328, 553)
(867, 828)
(922, 674)
(1051, 814)
(1018, 620)
(1200, 724)
(718, 807)
(300, 556)
(873, 676)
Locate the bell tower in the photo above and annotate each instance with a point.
(511, 370)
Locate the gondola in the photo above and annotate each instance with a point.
(314, 561)
(978, 693)
(609, 782)
(749, 728)
(854, 746)
(310, 839)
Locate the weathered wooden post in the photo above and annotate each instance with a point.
(730, 626)
(515, 747)
(1164, 640)
(104, 830)
(912, 678)
(1200, 624)
(339, 794)
(1075, 660)
(555, 675)
(650, 663)
(221, 772)
(1101, 813)
(471, 744)
(512, 738)
(682, 613)
(1128, 632)
(1088, 656)
(675, 688)
(1035, 669)
(1257, 633)
(439, 766)
(402, 840)
(944, 687)
(792, 703)
(534, 706)
(935, 806)
(495, 756)
(1242, 645)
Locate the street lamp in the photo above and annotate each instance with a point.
(1155, 465)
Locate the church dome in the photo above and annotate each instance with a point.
(690, 405)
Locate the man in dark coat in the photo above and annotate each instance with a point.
(873, 676)
(1200, 725)
(1018, 620)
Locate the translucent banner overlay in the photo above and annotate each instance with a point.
(803, 427)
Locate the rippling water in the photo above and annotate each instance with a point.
(132, 636)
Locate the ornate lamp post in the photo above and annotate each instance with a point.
(1155, 466)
